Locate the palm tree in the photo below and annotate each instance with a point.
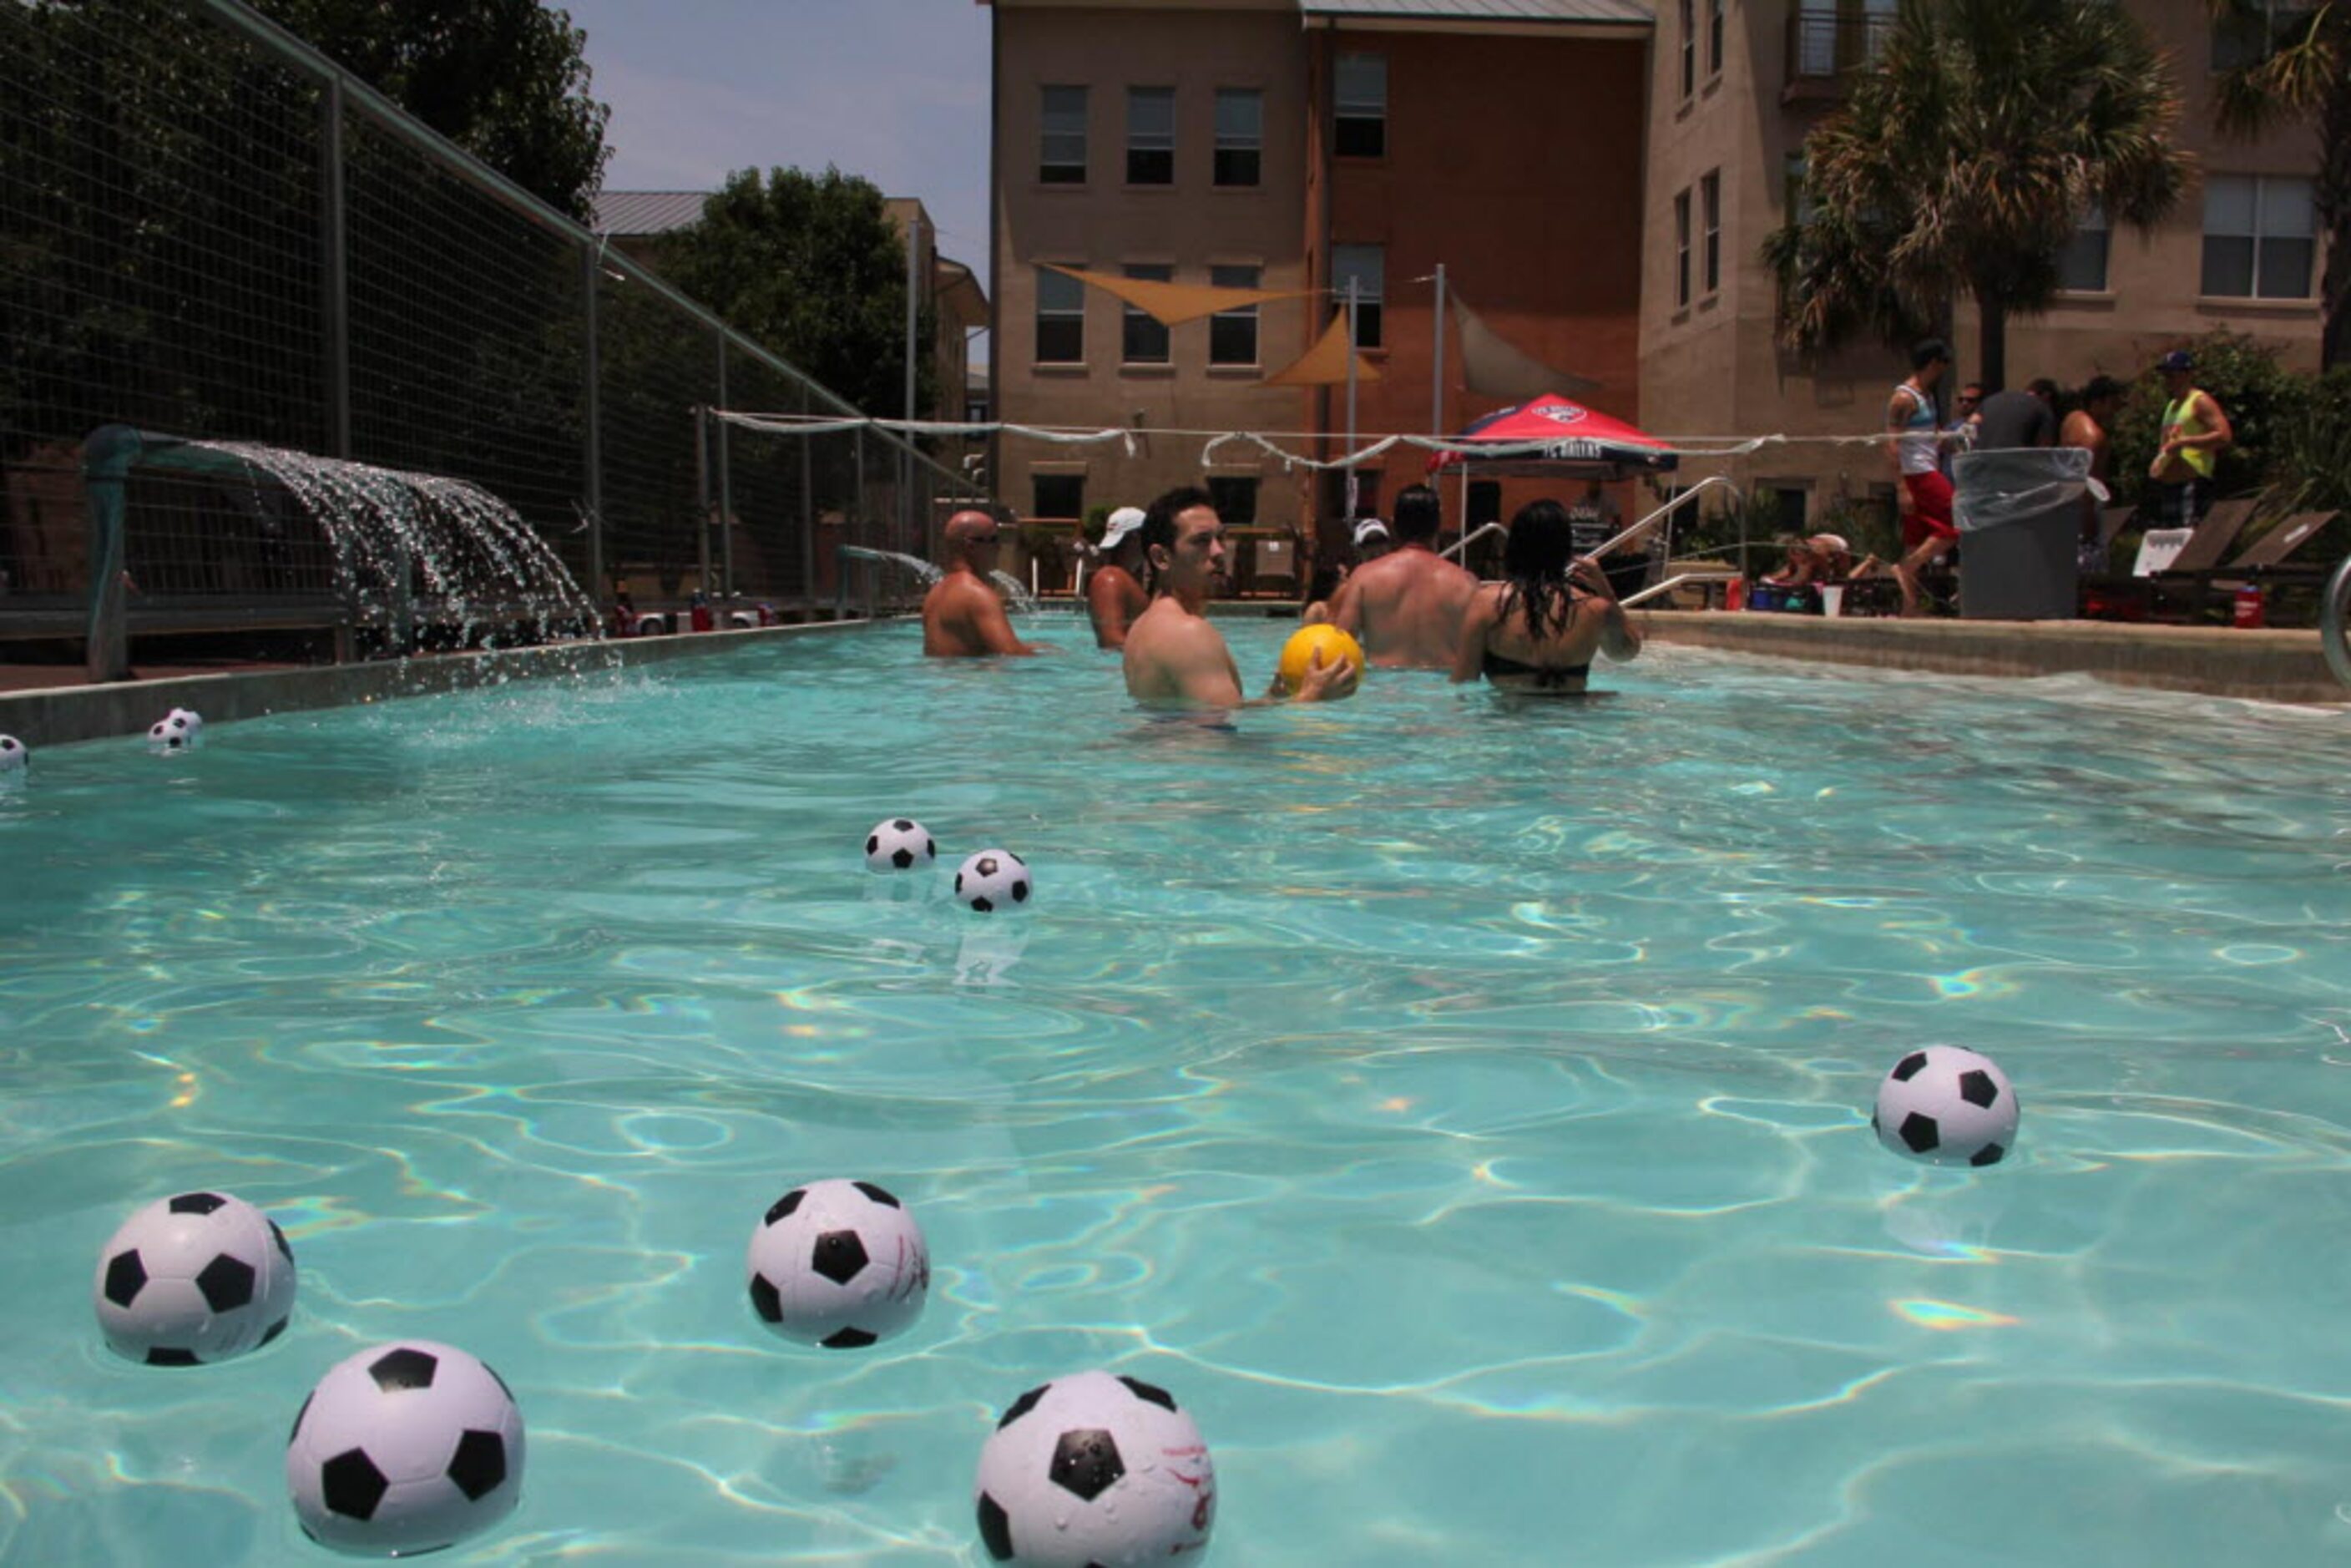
(2300, 68)
(1963, 160)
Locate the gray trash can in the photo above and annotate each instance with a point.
(2019, 512)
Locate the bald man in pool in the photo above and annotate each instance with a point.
(962, 614)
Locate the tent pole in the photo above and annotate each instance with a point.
(1437, 362)
(1352, 286)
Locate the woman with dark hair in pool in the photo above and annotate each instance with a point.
(1537, 629)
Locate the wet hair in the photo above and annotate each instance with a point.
(1534, 568)
(1159, 523)
(1927, 350)
(1417, 516)
(2101, 386)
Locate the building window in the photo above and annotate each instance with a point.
(1232, 334)
(1151, 136)
(2081, 264)
(1681, 249)
(1143, 337)
(1359, 102)
(1689, 47)
(1236, 497)
(1710, 199)
(1240, 134)
(1796, 201)
(1060, 318)
(2260, 237)
(2247, 34)
(1367, 267)
(1058, 495)
(1714, 37)
(1061, 147)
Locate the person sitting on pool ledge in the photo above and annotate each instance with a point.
(962, 614)
(1537, 630)
(1406, 606)
(1174, 657)
(1113, 597)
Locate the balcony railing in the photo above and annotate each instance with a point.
(1824, 47)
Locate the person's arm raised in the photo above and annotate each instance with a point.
(1617, 638)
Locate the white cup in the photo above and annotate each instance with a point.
(1831, 599)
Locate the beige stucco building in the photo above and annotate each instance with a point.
(1736, 84)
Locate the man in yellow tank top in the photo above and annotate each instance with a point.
(2195, 432)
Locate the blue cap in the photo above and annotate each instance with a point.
(2178, 359)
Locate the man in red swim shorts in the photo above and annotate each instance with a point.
(1913, 438)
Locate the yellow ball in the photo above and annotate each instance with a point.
(1297, 654)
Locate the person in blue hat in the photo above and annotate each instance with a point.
(2195, 432)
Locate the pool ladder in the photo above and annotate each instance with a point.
(2333, 612)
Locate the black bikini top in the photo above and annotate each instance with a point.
(1545, 678)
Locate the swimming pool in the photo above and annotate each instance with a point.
(1460, 1107)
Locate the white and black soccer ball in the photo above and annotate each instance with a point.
(839, 1263)
(13, 758)
(176, 731)
(1093, 1468)
(993, 879)
(406, 1447)
(195, 1278)
(901, 843)
(1947, 1106)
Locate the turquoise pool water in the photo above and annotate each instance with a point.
(1461, 1107)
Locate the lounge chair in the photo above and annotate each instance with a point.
(2266, 562)
(2135, 598)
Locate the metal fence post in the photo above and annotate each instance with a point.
(702, 498)
(808, 518)
(106, 459)
(334, 281)
(592, 457)
(725, 486)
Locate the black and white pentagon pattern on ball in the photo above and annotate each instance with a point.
(1947, 1106)
(13, 755)
(195, 1278)
(900, 843)
(993, 879)
(406, 1447)
(176, 730)
(839, 1264)
(1094, 1468)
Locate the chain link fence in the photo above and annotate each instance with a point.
(208, 231)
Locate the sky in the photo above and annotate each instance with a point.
(895, 90)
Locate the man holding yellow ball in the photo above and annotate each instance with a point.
(1175, 658)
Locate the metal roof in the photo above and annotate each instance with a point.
(647, 212)
(1619, 13)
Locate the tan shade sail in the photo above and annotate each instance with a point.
(1491, 367)
(1324, 364)
(1172, 304)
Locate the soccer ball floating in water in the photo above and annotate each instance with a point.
(406, 1447)
(899, 844)
(993, 879)
(196, 1278)
(176, 730)
(839, 1263)
(13, 755)
(1093, 1468)
(1947, 1106)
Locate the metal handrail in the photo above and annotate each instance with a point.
(1695, 491)
(2333, 612)
(1655, 589)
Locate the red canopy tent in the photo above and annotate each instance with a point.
(1578, 443)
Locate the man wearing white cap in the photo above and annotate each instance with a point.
(1406, 606)
(1113, 596)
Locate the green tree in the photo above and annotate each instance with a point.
(2297, 65)
(1963, 160)
(810, 267)
(505, 79)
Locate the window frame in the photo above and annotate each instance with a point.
(1049, 171)
(1246, 315)
(1220, 485)
(1370, 314)
(1711, 210)
(2091, 235)
(1144, 143)
(2233, 47)
(1231, 145)
(1133, 323)
(1714, 37)
(2260, 238)
(1371, 119)
(1688, 19)
(1046, 278)
(1682, 248)
(1037, 505)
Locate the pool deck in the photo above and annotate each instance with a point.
(2264, 666)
